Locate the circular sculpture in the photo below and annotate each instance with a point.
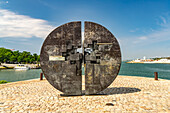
(61, 61)
(103, 61)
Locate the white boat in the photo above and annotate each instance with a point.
(21, 67)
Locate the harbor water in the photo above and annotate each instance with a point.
(145, 70)
(142, 70)
(12, 75)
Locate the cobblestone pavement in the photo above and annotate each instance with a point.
(125, 95)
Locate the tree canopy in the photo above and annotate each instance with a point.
(8, 56)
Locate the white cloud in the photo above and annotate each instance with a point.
(15, 25)
(132, 31)
(163, 19)
(143, 38)
(4, 2)
(163, 34)
(135, 30)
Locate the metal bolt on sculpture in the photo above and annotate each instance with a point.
(61, 61)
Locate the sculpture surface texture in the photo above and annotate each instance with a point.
(61, 59)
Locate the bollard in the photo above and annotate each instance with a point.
(156, 75)
(41, 76)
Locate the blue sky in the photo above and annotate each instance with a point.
(142, 27)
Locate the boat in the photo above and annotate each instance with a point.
(21, 67)
(1, 67)
(6, 67)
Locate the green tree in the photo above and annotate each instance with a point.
(4, 60)
(16, 53)
(5, 54)
(20, 59)
(13, 59)
(27, 60)
(8, 56)
(32, 60)
(38, 58)
(35, 56)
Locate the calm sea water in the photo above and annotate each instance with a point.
(144, 70)
(11, 75)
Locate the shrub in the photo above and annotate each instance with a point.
(3, 81)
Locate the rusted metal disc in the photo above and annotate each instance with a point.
(102, 58)
(60, 60)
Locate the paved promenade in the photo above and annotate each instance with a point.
(125, 95)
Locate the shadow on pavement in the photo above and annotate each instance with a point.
(112, 91)
(116, 90)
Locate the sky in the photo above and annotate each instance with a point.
(142, 27)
